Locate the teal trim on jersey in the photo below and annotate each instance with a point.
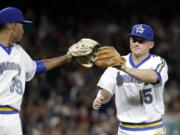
(158, 71)
(160, 66)
(7, 49)
(159, 76)
(140, 63)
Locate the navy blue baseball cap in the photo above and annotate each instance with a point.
(143, 30)
(12, 14)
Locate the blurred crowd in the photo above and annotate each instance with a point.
(60, 101)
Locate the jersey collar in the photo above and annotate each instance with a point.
(7, 49)
(140, 63)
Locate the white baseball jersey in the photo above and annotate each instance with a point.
(15, 69)
(136, 101)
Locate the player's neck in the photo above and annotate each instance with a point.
(139, 58)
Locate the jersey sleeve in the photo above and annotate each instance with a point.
(108, 80)
(161, 69)
(29, 65)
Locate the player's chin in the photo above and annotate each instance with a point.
(137, 52)
(17, 39)
(20, 37)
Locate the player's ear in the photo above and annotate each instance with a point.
(151, 45)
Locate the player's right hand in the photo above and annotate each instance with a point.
(97, 103)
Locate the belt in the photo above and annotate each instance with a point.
(141, 126)
(6, 109)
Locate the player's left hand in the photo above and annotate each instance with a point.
(107, 56)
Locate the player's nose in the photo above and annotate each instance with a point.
(136, 43)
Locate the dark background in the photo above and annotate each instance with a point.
(60, 101)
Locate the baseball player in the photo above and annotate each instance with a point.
(16, 68)
(137, 86)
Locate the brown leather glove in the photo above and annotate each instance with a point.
(107, 56)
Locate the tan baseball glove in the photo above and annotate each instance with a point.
(84, 52)
(107, 56)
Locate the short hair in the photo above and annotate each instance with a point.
(2, 26)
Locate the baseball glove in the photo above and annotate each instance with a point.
(84, 52)
(107, 56)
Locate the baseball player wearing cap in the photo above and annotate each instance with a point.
(16, 67)
(138, 86)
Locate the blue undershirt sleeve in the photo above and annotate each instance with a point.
(41, 68)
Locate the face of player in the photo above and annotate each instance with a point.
(140, 46)
(18, 32)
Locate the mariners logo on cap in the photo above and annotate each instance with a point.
(139, 29)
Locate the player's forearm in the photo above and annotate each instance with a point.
(105, 94)
(145, 75)
(102, 97)
(54, 62)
